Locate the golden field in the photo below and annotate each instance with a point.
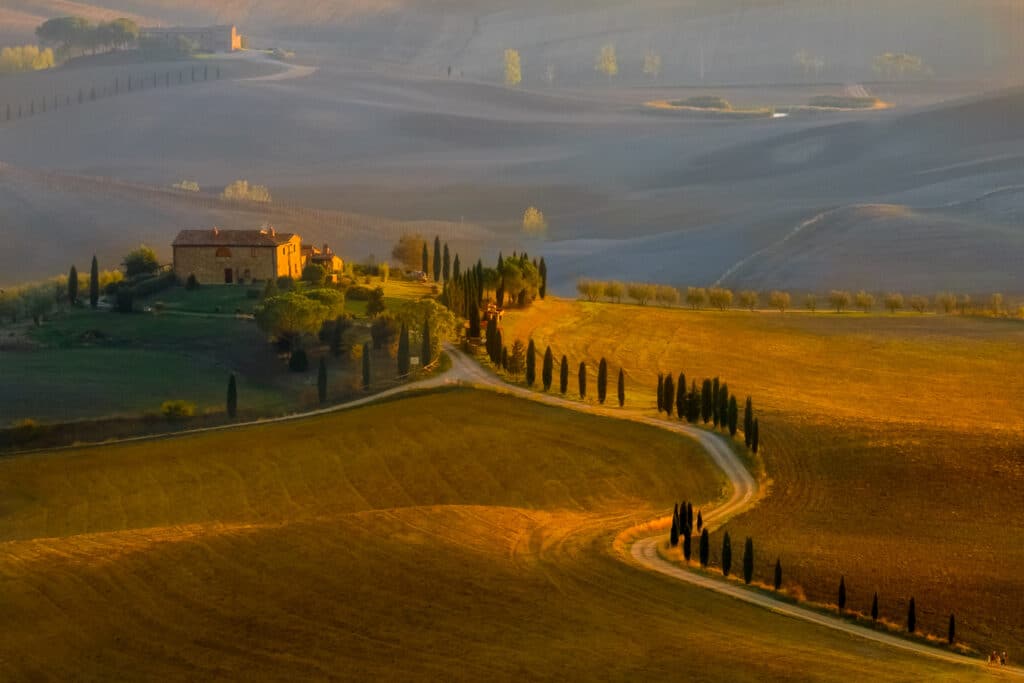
(893, 445)
(388, 542)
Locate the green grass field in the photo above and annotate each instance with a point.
(208, 299)
(892, 444)
(388, 542)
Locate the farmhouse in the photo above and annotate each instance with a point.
(325, 258)
(216, 256)
(206, 38)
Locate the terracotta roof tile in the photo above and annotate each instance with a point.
(231, 238)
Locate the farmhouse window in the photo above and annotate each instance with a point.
(252, 252)
(223, 252)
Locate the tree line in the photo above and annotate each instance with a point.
(680, 536)
(721, 298)
(711, 403)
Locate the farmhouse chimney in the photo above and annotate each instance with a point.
(216, 231)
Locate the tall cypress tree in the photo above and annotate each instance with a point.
(474, 321)
(73, 285)
(842, 594)
(456, 268)
(669, 397)
(446, 264)
(366, 366)
(681, 396)
(714, 401)
(689, 518)
(426, 349)
(403, 351)
(583, 379)
(748, 561)
(952, 629)
(693, 402)
(602, 381)
(563, 376)
(542, 270)
(491, 344)
(501, 263)
(232, 402)
(700, 521)
(748, 420)
(705, 401)
(661, 392)
(911, 617)
(704, 549)
(673, 537)
(437, 258)
(622, 388)
(874, 608)
(687, 547)
(778, 574)
(426, 259)
(321, 381)
(531, 364)
(547, 373)
(726, 555)
(734, 416)
(723, 406)
(94, 284)
(754, 438)
(499, 344)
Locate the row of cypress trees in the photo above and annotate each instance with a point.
(499, 355)
(94, 284)
(711, 403)
(682, 526)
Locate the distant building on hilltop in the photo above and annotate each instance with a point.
(207, 38)
(218, 256)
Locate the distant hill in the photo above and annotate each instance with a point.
(725, 40)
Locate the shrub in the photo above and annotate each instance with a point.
(298, 362)
(191, 283)
(285, 283)
(177, 409)
(314, 274)
(359, 293)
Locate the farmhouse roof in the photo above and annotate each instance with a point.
(215, 237)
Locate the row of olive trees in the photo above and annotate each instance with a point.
(838, 300)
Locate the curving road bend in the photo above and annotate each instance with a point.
(744, 494)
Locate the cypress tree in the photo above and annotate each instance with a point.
(73, 285)
(499, 344)
(687, 547)
(366, 366)
(726, 554)
(456, 268)
(437, 259)
(673, 537)
(504, 358)
(714, 401)
(842, 594)
(754, 438)
(446, 264)
(542, 270)
(874, 608)
(669, 397)
(501, 263)
(681, 396)
(563, 376)
(693, 404)
(734, 411)
(723, 406)
(689, 518)
(778, 574)
(700, 521)
(602, 381)
(492, 338)
(426, 259)
(661, 392)
(547, 373)
(911, 617)
(426, 349)
(622, 388)
(748, 561)
(321, 381)
(748, 420)
(531, 364)
(232, 402)
(704, 549)
(705, 401)
(583, 379)
(952, 629)
(94, 284)
(474, 321)
(403, 351)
